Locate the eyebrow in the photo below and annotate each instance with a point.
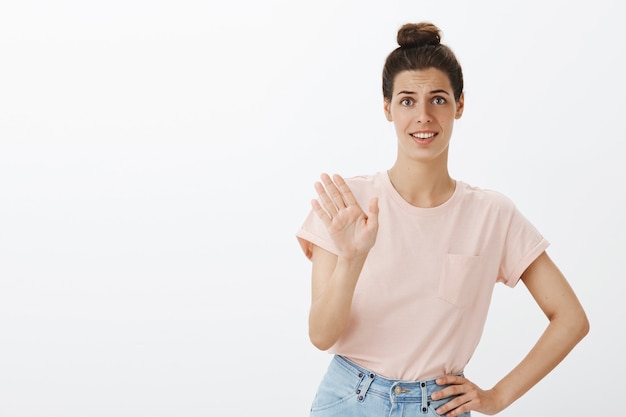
(439, 91)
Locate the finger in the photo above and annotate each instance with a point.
(451, 406)
(373, 208)
(448, 391)
(456, 401)
(333, 192)
(450, 380)
(372, 215)
(321, 213)
(455, 385)
(345, 191)
(325, 200)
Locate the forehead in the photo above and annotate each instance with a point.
(421, 81)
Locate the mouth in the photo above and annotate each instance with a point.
(423, 138)
(423, 135)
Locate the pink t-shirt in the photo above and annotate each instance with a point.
(422, 298)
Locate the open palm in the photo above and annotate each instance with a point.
(352, 230)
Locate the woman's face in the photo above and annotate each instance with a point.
(423, 110)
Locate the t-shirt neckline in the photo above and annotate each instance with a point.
(421, 211)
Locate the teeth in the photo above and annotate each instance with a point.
(422, 135)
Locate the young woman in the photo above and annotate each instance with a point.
(404, 262)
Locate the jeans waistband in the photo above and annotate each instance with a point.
(397, 390)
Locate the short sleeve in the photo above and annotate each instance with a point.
(313, 232)
(523, 244)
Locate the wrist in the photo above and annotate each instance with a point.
(352, 259)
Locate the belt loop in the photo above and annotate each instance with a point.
(425, 402)
(364, 386)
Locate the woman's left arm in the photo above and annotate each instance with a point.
(568, 325)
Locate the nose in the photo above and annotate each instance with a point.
(422, 113)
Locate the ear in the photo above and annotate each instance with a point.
(387, 107)
(460, 105)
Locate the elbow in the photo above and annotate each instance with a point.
(578, 326)
(573, 322)
(583, 326)
(319, 341)
(581, 323)
(323, 334)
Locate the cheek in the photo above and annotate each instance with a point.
(447, 121)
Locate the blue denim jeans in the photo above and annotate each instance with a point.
(348, 390)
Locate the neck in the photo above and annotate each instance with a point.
(422, 186)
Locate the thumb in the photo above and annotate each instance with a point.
(373, 210)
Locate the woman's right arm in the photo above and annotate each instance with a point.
(334, 277)
(332, 287)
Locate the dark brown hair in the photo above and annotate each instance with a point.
(421, 48)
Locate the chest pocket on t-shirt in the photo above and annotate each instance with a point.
(461, 279)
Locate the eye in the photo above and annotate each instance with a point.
(406, 102)
(439, 100)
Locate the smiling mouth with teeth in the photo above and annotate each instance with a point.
(423, 135)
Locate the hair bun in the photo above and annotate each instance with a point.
(412, 35)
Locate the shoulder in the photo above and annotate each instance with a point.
(485, 197)
(362, 180)
(366, 183)
(364, 187)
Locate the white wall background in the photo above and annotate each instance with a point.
(157, 157)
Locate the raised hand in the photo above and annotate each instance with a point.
(352, 230)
